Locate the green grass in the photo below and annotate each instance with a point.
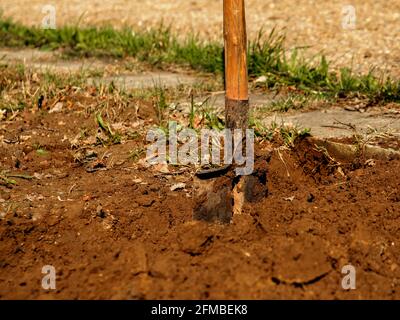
(113, 138)
(40, 150)
(156, 46)
(289, 133)
(22, 87)
(160, 103)
(266, 56)
(290, 102)
(136, 153)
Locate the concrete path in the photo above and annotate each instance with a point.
(325, 123)
(146, 80)
(49, 61)
(337, 122)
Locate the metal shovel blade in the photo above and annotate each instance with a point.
(213, 199)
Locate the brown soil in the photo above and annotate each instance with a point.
(114, 229)
(383, 141)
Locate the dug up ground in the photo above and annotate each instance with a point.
(76, 195)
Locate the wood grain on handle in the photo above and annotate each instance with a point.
(236, 78)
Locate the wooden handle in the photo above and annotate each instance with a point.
(236, 79)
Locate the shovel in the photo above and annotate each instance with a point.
(218, 192)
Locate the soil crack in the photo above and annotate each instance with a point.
(300, 284)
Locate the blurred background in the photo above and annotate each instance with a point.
(370, 38)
